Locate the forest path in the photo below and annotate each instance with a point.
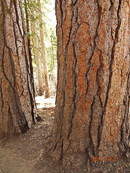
(20, 154)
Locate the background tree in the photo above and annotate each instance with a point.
(51, 52)
(43, 53)
(17, 102)
(36, 53)
(92, 106)
(37, 61)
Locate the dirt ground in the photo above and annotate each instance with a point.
(21, 153)
(25, 153)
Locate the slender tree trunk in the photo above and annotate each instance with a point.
(16, 95)
(52, 57)
(36, 56)
(43, 53)
(92, 110)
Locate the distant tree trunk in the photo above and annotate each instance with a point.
(37, 56)
(17, 103)
(92, 115)
(52, 55)
(28, 50)
(43, 53)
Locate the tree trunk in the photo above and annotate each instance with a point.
(43, 53)
(36, 56)
(92, 107)
(17, 106)
(52, 54)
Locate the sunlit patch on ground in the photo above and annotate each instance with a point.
(45, 103)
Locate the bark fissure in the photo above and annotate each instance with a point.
(87, 80)
(74, 73)
(3, 70)
(11, 126)
(2, 100)
(17, 16)
(91, 147)
(74, 90)
(96, 33)
(111, 6)
(125, 126)
(112, 54)
(61, 22)
(98, 78)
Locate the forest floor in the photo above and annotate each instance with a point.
(25, 153)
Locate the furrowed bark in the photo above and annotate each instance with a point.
(92, 109)
(16, 95)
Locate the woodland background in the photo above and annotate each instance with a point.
(40, 28)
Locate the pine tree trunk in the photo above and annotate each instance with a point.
(92, 109)
(43, 53)
(37, 56)
(52, 55)
(17, 103)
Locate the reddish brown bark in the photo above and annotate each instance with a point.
(16, 93)
(92, 109)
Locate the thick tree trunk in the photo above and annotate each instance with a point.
(47, 94)
(92, 108)
(16, 95)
